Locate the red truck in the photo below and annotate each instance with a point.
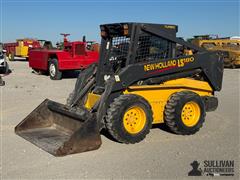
(74, 56)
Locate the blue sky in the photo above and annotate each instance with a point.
(44, 19)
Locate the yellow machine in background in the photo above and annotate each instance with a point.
(230, 48)
(21, 47)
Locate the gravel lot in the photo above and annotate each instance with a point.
(162, 155)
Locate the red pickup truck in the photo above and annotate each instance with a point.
(74, 56)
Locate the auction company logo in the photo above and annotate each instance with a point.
(212, 168)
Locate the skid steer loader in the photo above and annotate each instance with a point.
(140, 80)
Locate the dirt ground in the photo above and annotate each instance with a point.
(162, 155)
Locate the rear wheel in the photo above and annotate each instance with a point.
(184, 113)
(129, 119)
(11, 56)
(54, 72)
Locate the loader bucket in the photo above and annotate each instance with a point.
(57, 130)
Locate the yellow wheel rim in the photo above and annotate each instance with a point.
(190, 114)
(134, 120)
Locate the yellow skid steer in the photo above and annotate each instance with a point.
(141, 79)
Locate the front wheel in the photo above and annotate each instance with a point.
(129, 119)
(54, 72)
(11, 56)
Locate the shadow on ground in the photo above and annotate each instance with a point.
(161, 126)
(66, 75)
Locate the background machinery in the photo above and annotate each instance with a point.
(4, 68)
(228, 47)
(71, 56)
(140, 80)
(21, 47)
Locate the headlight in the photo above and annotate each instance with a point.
(125, 29)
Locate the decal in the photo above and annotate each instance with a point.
(168, 64)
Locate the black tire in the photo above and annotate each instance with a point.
(56, 75)
(2, 82)
(227, 64)
(173, 112)
(11, 57)
(233, 66)
(6, 68)
(115, 114)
